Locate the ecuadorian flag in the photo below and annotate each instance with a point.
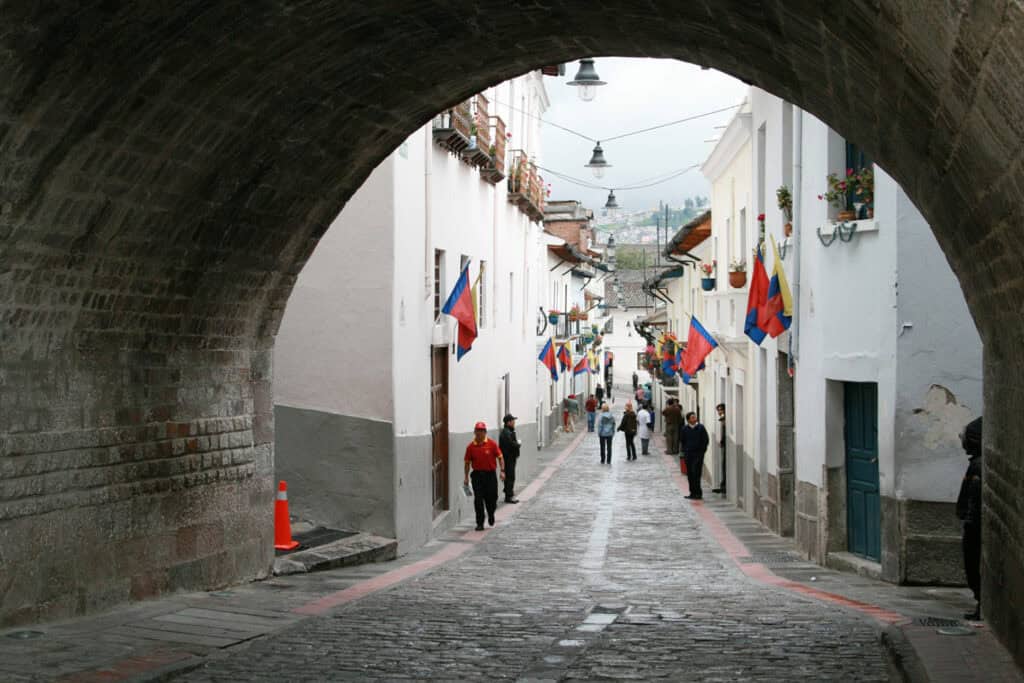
(460, 306)
(581, 367)
(564, 357)
(547, 357)
(699, 344)
(777, 314)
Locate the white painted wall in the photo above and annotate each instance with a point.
(335, 339)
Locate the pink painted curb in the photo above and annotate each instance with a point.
(446, 553)
(740, 554)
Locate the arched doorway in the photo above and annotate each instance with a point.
(168, 170)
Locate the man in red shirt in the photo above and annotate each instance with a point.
(484, 457)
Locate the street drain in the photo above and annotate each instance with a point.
(937, 622)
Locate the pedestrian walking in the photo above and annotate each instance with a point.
(568, 424)
(510, 444)
(605, 433)
(628, 426)
(693, 439)
(599, 392)
(643, 429)
(639, 395)
(591, 412)
(673, 415)
(636, 381)
(720, 409)
(647, 392)
(483, 460)
(968, 509)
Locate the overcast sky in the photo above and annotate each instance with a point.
(640, 93)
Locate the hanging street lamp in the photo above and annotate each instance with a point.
(597, 163)
(611, 205)
(586, 80)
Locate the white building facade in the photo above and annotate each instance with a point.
(842, 431)
(373, 410)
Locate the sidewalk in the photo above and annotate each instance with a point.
(912, 618)
(156, 639)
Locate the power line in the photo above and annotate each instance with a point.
(622, 135)
(640, 184)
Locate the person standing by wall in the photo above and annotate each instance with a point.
(643, 428)
(968, 509)
(628, 427)
(568, 407)
(673, 416)
(605, 432)
(591, 412)
(720, 409)
(484, 458)
(693, 439)
(636, 381)
(599, 392)
(510, 444)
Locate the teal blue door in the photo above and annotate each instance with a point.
(863, 509)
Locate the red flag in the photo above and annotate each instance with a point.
(547, 357)
(460, 306)
(699, 344)
(756, 298)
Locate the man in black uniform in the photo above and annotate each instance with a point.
(720, 409)
(968, 509)
(693, 441)
(509, 444)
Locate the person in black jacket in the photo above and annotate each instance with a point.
(693, 442)
(968, 509)
(509, 444)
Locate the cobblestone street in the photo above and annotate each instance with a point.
(607, 573)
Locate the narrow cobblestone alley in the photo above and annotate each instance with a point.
(607, 573)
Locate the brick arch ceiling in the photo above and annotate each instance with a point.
(167, 167)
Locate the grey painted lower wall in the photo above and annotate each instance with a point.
(340, 469)
(414, 486)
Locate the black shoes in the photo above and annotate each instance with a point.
(694, 497)
(720, 489)
(490, 520)
(511, 500)
(479, 527)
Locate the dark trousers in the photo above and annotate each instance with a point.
(630, 446)
(606, 446)
(723, 466)
(694, 468)
(972, 558)
(644, 444)
(510, 475)
(485, 494)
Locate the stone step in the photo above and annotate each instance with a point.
(358, 549)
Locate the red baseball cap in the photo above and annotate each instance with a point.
(480, 425)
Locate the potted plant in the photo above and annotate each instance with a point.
(864, 190)
(574, 313)
(837, 195)
(760, 227)
(738, 273)
(785, 200)
(707, 282)
(553, 316)
(594, 329)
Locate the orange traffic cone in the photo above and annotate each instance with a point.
(282, 523)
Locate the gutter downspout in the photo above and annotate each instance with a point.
(798, 177)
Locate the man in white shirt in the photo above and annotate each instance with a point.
(643, 421)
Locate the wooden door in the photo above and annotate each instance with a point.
(439, 426)
(863, 507)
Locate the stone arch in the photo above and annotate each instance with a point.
(167, 170)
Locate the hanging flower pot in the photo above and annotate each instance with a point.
(707, 284)
(737, 278)
(593, 328)
(847, 215)
(553, 317)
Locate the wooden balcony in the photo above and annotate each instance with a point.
(478, 153)
(518, 178)
(453, 127)
(494, 172)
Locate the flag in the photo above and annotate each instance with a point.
(609, 358)
(699, 344)
(594, 366)
(580, 368)
(756, 298)
(461, 307)
(668, 355)
(564, 358)
(777, 314)
(547, 357)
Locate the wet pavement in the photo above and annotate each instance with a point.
(601, 573)
(608, 573)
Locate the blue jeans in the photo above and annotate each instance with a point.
(590, 421)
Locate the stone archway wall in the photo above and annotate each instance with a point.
(166, 171)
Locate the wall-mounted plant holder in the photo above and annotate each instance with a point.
(843, 230)
(827, 241)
